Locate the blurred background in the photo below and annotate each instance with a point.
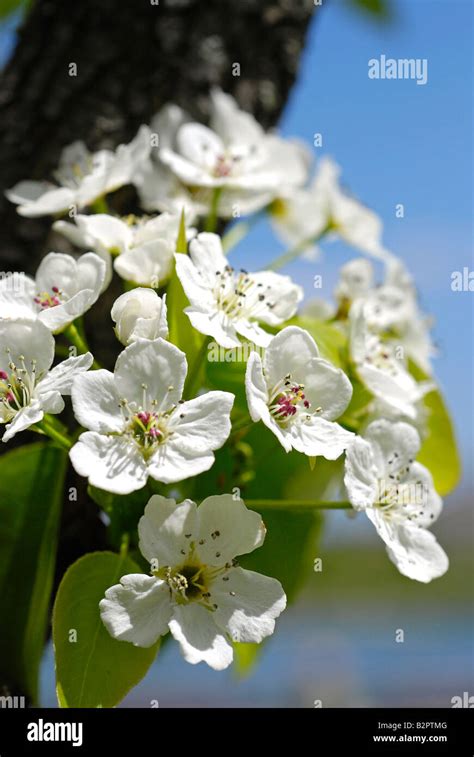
(397, 142)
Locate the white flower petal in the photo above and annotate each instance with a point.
(236, 529)
(255, 387)
(327, 387)
(199, 638)
(25, 418)
(17, 293)
(199, 145)
(170, 463)
(207, 255)
(290, 351)
(203, 424)
(61, 377)
(96, 402)
(318, 436)
(247, 605)
(140, 313)
(27, 338)
(166, 529)
(148, 264)
(398, 442)
(283, 295)
(137, 609)
(213, 324)
(414, 550)
(50, 202)
(360, 476)
(112, 233)
(158, 365)
(111, 463)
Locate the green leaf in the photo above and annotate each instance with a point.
(379, 9)
(10, 6)
(183, 335)
(245, 657)
(182, 242)
(439, 450)
(96, 670)
(31, 488)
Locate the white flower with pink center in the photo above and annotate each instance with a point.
(397, 494)
(226, 303)
(82, 177)
(63, 290)
(29, 387)
(233, 154)
(298, 395)
(138, 424)
(196, 588)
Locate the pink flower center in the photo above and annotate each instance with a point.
(287, 402)
(49, 300)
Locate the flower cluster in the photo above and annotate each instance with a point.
(345, 379)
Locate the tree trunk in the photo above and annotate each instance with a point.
(131, 57)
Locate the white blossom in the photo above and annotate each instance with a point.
(234, 154)
(83, 177)
(29, 387)
(143, 248)
(397, 494)
(226, 303)
(138, 425)
(305, 214)
(63, 290)
(140, 314)
(196, 588)
(381, 365)
(298, 395)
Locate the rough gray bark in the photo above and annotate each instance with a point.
(132, 56)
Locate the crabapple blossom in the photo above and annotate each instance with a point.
(397, 494)
(83, 177)
(381, 366)
(234, 154)
(138, 424)
(139, 314)
(226, 303)
(29, 387)
(143, 248)
(196, 588)
(297, 395)
(305, 214)
(63, 290)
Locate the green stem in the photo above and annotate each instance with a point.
(194, 372)
(298, 248)
(124, 545)
(291, 504)
(73, 335)
(239, 426)
(100, 205)
(211, 221)
(45, 427)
